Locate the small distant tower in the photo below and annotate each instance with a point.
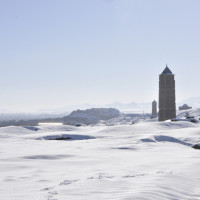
(154, 109)
(167, 105)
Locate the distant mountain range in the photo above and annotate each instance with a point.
(193, 101)
(133, 106)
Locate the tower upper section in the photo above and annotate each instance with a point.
(167, 71)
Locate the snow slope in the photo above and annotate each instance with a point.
(192, 112)
(144, 161)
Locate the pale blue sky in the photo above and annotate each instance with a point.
(56, 53)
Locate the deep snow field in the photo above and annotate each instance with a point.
(149, 161)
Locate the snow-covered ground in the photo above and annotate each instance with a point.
(192, 112)
(144, 161)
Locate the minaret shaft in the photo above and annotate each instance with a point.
(167, 105)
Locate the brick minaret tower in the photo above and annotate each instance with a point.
(167, 105)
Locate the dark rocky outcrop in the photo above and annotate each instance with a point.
(62, 138)
(196, 146)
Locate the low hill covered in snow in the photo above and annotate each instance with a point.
(87, 117)
(91, 116)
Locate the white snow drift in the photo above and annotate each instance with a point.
(147, 161)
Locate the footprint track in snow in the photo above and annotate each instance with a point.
(67, 182)
(51, 191)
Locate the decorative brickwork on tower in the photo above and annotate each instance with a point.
(167, 105)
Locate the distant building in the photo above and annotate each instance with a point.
(184, 107)
(154, 109)
(167, 105)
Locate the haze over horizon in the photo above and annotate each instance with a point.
(60, 53)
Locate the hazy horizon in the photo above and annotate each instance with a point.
(61, 53)
(122, 106)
